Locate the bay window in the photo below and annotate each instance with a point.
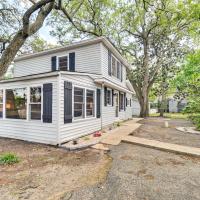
(79, 102)
(35, 103)
(1, 103)
(16, 103)
(90, 103)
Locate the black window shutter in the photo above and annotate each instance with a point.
(109, 62)
(53, 63)
(72, 62)
(118, 70)
(47, 102)
(121, 72)
(124, 101)
(105, 96)
(112, 97)
(67, 102)
(130, 102)
(119, 101)
(98, 103)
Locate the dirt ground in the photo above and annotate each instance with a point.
(128, 172)
(45, 172)
(153, 128)
(140, 173)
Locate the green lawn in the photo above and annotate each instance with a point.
(171, 115)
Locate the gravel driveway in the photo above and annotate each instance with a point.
(153, 128)
(140, 173)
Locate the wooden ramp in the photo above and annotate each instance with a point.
(163, 145)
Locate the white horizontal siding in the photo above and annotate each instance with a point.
(87, 59)
(78, 127)
(108, 113)
(104, 63)
(29, 130)
(128, 113)
(135, 107)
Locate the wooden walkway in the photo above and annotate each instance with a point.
(163, 146)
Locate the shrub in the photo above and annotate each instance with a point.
(8, 159)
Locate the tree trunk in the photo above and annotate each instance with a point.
(144, 105)
(11, 51)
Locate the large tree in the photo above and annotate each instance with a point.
(187, 84)
(150, 33)
(29, 24)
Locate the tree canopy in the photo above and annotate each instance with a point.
(187, 83)
(152, 34)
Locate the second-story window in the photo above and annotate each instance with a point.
(118, 70)
(35, 103)
(1, 103)
(114, 67)
(63, 63)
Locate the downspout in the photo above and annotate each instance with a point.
(58, 105)
(102, 104)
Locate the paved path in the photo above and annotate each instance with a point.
(116, 136)
(163, 145)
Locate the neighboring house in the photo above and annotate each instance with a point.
(176, 106)
(60, 94)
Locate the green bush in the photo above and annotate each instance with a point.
(8, 159)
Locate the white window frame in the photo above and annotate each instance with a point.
(2, 104)
(122, 109)
(61, 56)
(29, 103)
(109, 104)
(27, 98)
(121, 68)
(76, 119)
(94, 99)
(84, 99)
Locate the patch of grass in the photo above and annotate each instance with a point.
(176, 115)
(171, 115)
(8, 159)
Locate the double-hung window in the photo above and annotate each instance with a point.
(63, 63)
(16, 103)
(118, 70)
(79, 107)
(35, 103)
(90, 103)
(114, 67)
(121, 101)
(108, 97)
(1, 103)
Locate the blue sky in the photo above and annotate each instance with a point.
(44, 32)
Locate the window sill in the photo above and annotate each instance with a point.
(21, 120)
(83, 119)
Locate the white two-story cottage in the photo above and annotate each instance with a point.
(60, 94)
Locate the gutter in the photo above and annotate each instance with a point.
(30, 77)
